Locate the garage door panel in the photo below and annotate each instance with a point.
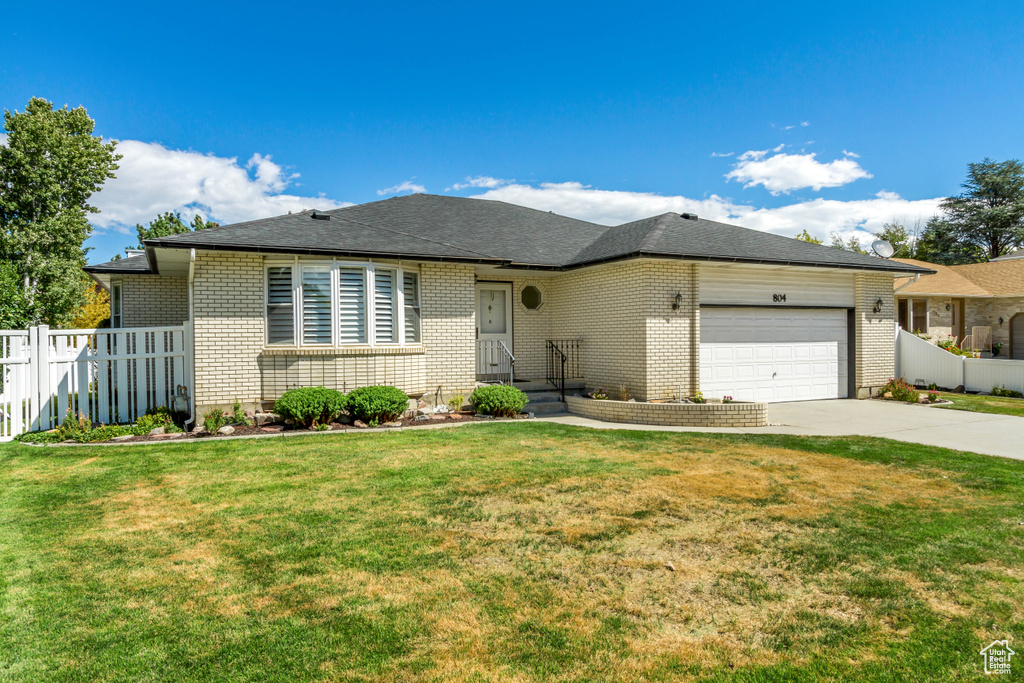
(783, 355)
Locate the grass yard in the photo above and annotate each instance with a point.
(1000, 405)
(522, 552)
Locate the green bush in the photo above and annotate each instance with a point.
(379, 404)
(1009, 393)
(498, 399)
(214, 419)
(158, 417)
(901, 391)
(311, 406)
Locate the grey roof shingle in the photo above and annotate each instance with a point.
(431, 227)
(134, 265)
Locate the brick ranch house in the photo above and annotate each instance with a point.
(954, 300)
(433, 294)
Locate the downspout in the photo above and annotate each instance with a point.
(192, 345)
(917, 276)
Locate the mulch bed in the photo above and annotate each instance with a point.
(242, 430)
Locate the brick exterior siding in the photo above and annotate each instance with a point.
(153, 300)
(875, 333)
(671, 414)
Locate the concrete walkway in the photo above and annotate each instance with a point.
(1001, 435)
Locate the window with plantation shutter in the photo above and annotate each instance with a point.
(280, 311)
(352, 305)
(411, 293)
(385, 325)
(316, 305)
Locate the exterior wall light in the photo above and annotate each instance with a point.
(878, 306)
(948, 307)
(677, 302)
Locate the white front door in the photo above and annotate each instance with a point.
(493, 325)
(756, 354)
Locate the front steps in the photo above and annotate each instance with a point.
(545, 399)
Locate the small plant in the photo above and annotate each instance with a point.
(1009, 393)
(155, 417)
(455, 402)
(996, 348)
(727, 399)
(74, 427)
(623, 392)
(214, 419)
(377, 404)
(498, 399)
(933, 387)
(901, 391)
(238, 415)
(311, 406)
(950, 345)
(599, 394)
(933, 396)
(322, 427)
(698, 397)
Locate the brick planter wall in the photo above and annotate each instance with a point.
(671, 414)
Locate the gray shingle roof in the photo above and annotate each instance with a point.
(135, 265)
(431, 227)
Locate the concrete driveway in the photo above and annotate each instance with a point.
(957, 429)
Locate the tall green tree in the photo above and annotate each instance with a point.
(904, 243)
(852, 244)
(987, 219)
(941, 243)
(51, 166)
(170, 223)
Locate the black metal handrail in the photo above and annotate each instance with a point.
(556, 367)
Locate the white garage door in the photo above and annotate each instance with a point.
(756, 354)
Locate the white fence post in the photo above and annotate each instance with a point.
(42, 373)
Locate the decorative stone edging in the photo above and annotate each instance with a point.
(734, 414)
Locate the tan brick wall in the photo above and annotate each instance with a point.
(153, 300)
(671, 414)
(875, 333)
(531, 329)
(227, 292)
(449, 327)
(232, 363)
(672, 336)
(604, 305)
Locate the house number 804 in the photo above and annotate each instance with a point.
(778, 298)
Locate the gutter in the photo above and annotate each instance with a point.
(192, 342)
(907, 284)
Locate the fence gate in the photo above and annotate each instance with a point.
(111, 376)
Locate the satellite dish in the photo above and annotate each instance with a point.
(882, 248)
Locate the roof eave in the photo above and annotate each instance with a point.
(327, 252)
(751, 261)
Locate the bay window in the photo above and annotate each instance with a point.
(341, 304)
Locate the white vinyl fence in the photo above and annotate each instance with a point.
(111, 376)
(921, 362)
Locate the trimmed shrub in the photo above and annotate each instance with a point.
(901, 391)
(498, 399)
(214, 419)
(311, 406)
(1008, 393)
(159, 417)
(375, 405)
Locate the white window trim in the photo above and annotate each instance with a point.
(369, 295)
(117, 295)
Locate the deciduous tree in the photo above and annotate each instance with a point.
(170, 223)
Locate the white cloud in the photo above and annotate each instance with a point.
(819, 217)
(406, 186)
(3, 139)
(781, 173)
(153, 179)
(721, 154)
(484, 181)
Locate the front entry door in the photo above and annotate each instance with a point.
(493, 325)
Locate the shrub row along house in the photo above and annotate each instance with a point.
(433, 294)
(955, 300)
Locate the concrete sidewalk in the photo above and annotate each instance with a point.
(1001, 435)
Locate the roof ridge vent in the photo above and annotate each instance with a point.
(688, 216)
(320, 216)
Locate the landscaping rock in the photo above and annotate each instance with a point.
(396, 423)
(123, 437)
(345, 419)
(157, 431)
(226, 429)
(266, 418)
(171, 435)
(273, 428)
(289, 421)
(421, 404)
(456, 416)
(435, 417)
(441, 408)
(421, 418)
(360, 424)
(669, 566)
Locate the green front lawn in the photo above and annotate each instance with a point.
(515, 551)
(1000, 405)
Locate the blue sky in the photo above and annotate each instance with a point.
(775, 116)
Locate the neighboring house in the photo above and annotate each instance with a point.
(425, 293)
(955, 299)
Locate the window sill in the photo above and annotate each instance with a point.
(396, 350)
